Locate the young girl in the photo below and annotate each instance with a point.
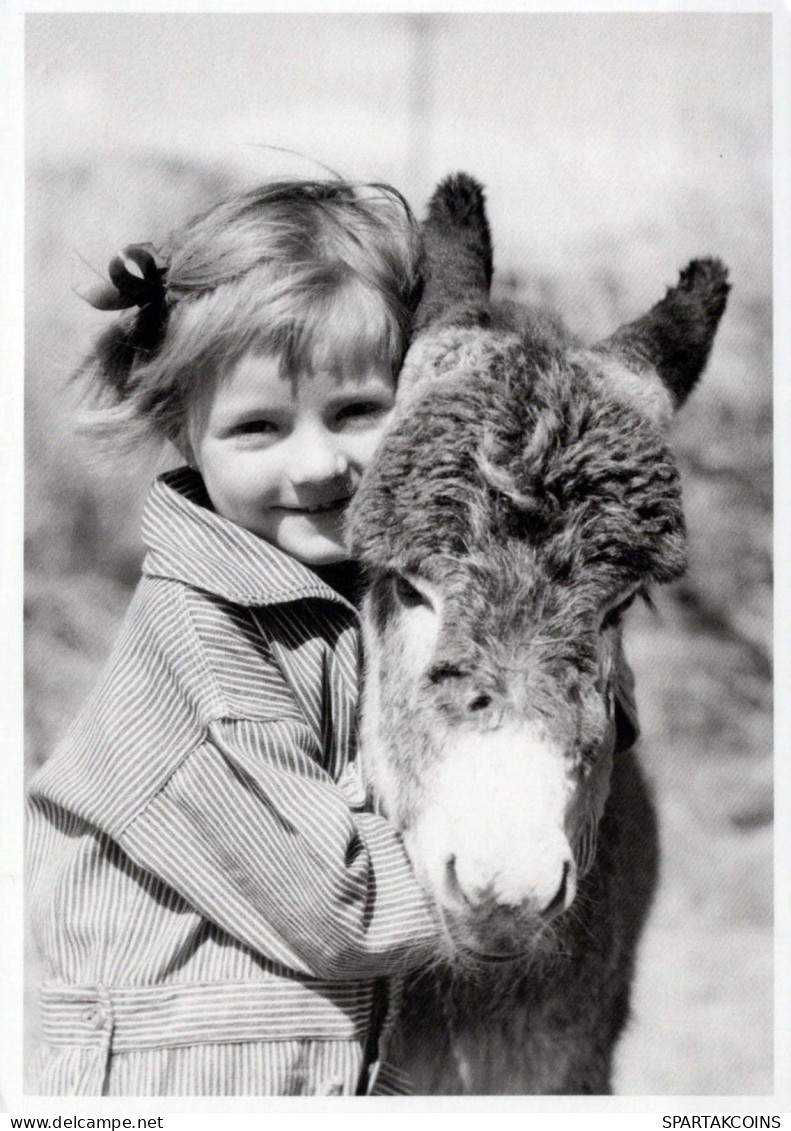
(217, 909)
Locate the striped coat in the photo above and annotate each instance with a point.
(216, 908)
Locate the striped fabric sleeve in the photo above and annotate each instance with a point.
(258, 838)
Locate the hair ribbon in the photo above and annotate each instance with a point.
(137, 278)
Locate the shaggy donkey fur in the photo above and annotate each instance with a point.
(522, 497)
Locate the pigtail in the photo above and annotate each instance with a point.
(111, 374)
(130, 342)
(110, 362)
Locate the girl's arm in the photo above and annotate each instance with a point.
(256, 836)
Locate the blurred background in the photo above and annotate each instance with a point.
(614, 148)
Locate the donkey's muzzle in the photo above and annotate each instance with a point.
(490, 841)
(486, 902)
(490, 930)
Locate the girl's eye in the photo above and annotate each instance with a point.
(612, 617)
(362, 413)
(256, 427)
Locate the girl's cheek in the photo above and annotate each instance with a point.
(259, 473)
(238, 478)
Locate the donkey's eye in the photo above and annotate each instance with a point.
(408, 594)
(612, 618)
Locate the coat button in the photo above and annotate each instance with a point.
(95, 1016)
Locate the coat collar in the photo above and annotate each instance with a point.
(188, 541)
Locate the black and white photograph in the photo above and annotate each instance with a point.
(398, 487)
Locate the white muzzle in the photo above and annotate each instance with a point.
(490, 834)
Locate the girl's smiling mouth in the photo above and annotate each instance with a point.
(327, 507)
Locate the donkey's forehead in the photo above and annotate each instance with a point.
(457, 351)
(530, 452)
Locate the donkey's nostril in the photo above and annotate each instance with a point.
(454, 887)
(479, 703)
(558, 901)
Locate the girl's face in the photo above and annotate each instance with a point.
(283, 457)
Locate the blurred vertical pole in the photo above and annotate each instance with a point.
(419, 167)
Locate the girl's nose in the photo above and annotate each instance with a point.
(314, 459)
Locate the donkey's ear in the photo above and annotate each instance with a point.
(458, 246)
(673, 340)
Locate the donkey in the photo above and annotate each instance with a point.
(522, 498)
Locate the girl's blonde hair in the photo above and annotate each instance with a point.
(325, 274)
